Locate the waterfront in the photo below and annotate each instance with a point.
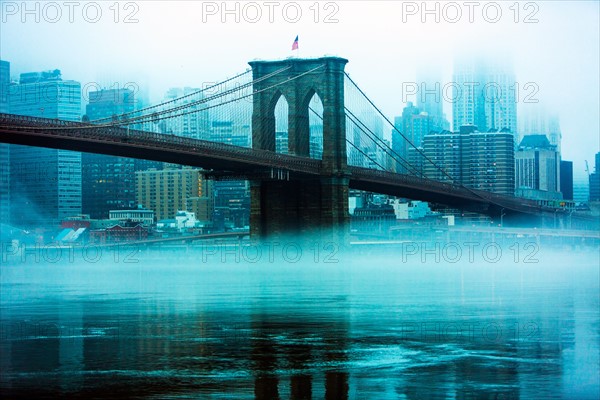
(356, 328)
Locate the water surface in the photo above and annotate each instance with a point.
(361, 328)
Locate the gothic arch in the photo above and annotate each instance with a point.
(301, 79)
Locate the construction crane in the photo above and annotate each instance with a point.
(587, 169)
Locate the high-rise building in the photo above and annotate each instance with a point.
(535, 119)
(108, 182)
(167, 191)
(484, 94)
(194, 123)
(566, 179)
(537, 167)
(231, 204)
(445, 150)
(398, 145)
(4, 148)
(316, 139)
(315, 126)
(203, 206)
(581, 188)
(479, 160)
(281, 142)
(414, 125)
(468, 107)
(229, 133)
(595, 180)
(45, 183)
(4, 85)
(231, 198)
(364, 137)
(430, 97)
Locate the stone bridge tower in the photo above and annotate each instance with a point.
(302, 205)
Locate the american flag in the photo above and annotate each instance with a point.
(295, 44)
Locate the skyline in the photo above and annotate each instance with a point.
(163, 58)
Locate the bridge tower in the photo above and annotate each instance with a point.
(302, 205)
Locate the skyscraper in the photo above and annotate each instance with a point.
(231, 198)
(536, 119)
(595, 180)
(108, 182)
(484, 94)
(537, 168)
(364, 135)
(581, 188)
(4, 148)
(414, 125)
(4, 85)
(479, 160)
(566, 179)
(109, 103)
(194, 123)
(315, 123)
(430, 97)
(229, 133)
(45, 183)
(167, 191)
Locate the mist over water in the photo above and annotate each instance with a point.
(369, 323)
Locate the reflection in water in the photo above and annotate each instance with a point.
(347, 331)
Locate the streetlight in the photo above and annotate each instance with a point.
(571, 219)
(502, 214)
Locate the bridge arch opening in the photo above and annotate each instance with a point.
(315, 124)
(307, 201)
(280, 113)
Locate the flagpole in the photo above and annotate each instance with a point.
(296, 48)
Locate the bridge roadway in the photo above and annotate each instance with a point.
(244, 162)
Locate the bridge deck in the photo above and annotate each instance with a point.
(118, 141)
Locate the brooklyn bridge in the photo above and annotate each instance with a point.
(290, 192)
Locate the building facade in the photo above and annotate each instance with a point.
(484, 94)
(595, 180)
(166, 191)
(414, 125)
(231, 198)
(566, 179)
(479, 160)
(45, 183)
(195, 123)
(430, 97)
(129, 232)
(4, 148)
(108, 182)
(537, 165)
(144, 217)
(581, 189)
(536, 120)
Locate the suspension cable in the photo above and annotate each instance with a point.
(381, 144)
(201, 101)
(416, 148)
(153, 116)
(394, 127)
(177, 99)
(365, 154)
(238, 98)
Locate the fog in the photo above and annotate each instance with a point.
(166, 44)
(413, 319)
(428, 313)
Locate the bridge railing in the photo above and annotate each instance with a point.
(500, 200)
(259, 158)
(409, 180)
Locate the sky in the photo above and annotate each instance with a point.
(160, 44)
